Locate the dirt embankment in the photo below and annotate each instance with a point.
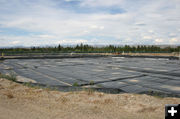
(174, 55)
(21, 102)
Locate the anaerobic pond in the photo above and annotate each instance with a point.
(133, 75)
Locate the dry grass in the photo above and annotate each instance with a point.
(62, 99)
(9, 94)
(22, 102)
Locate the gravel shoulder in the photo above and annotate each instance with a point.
(22, 102)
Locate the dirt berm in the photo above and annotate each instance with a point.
(21, 102)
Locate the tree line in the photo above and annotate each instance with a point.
(81, 48)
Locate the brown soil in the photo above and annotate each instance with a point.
(21, 102)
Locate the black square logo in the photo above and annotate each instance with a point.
(172, 111)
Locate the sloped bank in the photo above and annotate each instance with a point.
(22, 102)
(170, 56)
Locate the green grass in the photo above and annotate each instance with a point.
(75, 84)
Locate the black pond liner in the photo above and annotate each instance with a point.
(104, 90)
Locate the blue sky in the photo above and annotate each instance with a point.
(94, 22)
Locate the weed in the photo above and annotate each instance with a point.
(27, 84)
(75, 84)
(11, 77)
(155, 94)
(55, 89)
(91, 83)
(98, 85)
(89, 91)
(158, 95)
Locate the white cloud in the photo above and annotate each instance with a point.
(94, 27)
(85, 31)
(15, 42)
(68, 0)
(101, 27)
(172, 34)
(71, 41)
(97, 27)
(174, 40)
(44, 36)
(151, 31)
(158, 41)
(142, 22)
(104, 3)
(147, 37)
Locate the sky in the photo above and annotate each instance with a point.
(94, 22)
